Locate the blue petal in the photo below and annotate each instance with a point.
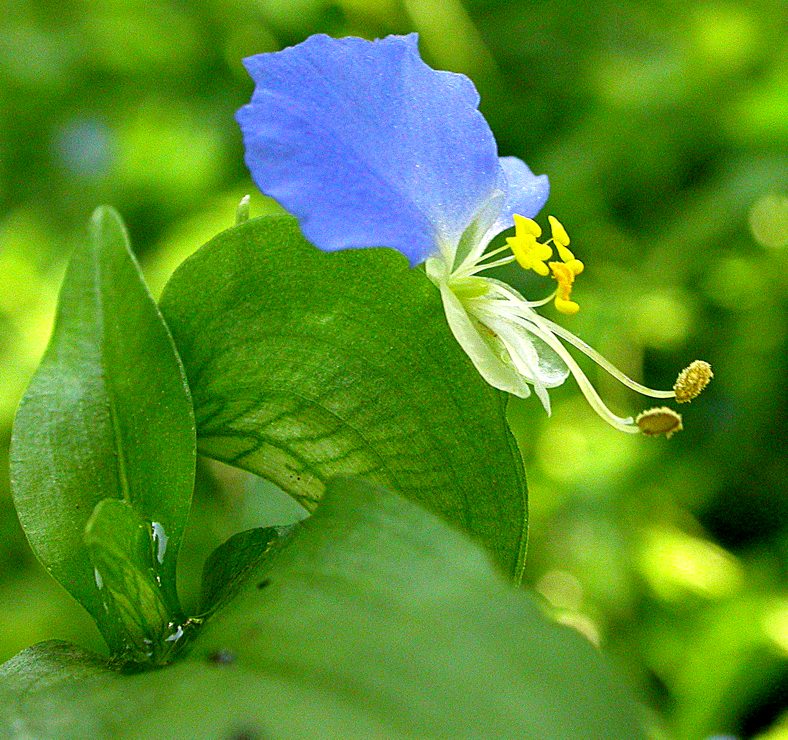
(517, 190)
(367, 145)
(526, 193)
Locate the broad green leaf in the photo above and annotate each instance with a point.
(106, 416)
(305, 365)
(376, 620)
(125, 558)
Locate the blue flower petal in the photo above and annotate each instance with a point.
(526, 193)
(367, 145)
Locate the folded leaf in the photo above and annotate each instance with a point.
(125, 558)
(305, 365)
(106, 416)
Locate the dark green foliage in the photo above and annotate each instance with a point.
(376, 620)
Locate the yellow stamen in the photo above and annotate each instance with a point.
(561, 241)
(533, 255)
(569, 259)
(692, 380)
(530, 254)
(662, 420)
(565, 277)
(523, 225)
(560, 237)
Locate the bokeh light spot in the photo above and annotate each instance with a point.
(736, 283)
(85, 147)
(769, 221)
(663, 319)
(675, 563)
(775, 625)
(725, 35)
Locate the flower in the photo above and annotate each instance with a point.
(369, 147)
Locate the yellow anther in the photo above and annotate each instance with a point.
(565, 277)
(662, 420)
(692, 380)
(565, 271)
(529, 253)
(560, 237)
(525, 225)
(575, 265)
(533, 255)
(566, 307)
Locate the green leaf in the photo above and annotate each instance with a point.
(229, 565)
(305, 365)
(377, 620)
(125, 558)
(106, 416)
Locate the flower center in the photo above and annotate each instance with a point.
(531, 254)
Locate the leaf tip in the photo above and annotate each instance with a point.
(106, 222)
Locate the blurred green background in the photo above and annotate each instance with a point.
(664, 129)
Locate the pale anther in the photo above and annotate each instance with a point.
(692, 380)
(661, 420)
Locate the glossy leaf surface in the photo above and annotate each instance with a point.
(125, 559)
(106, 416)
(305, 365)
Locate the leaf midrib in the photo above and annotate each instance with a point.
(117, 434)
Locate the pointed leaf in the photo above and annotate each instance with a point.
(229, 566)
(107, 415)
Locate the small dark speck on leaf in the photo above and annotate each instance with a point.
(264, 583)
(222, 657)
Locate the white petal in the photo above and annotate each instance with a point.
(549, 369)
(479, 344)
(524, 356)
